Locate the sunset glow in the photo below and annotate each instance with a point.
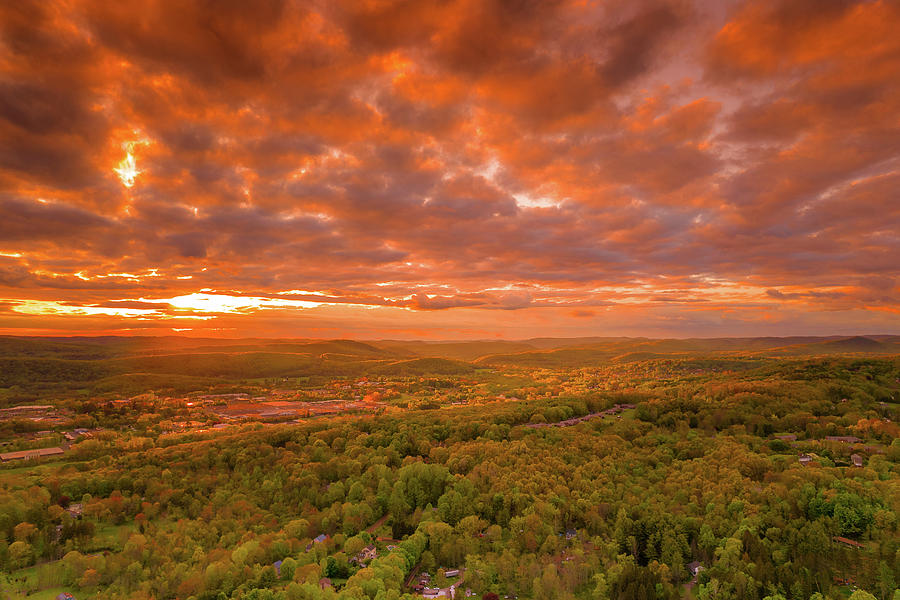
(220, 303)
(453, 169)
(127, 168)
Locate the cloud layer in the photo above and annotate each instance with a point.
(450, 168)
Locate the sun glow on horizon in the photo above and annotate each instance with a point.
(223, 303)
(50, 307)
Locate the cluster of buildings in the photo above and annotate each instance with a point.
(37, 413)
(36, 453)
(79, 433)
(804, 458)
(855, 459)
(424, 589)
(32, 454)
(282, 409)
(365, 555)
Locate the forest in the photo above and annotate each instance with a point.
(706, 475)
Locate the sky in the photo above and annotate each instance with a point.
(459, 169)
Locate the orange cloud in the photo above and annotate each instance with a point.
(458, 169)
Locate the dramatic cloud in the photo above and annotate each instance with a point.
(450, 168)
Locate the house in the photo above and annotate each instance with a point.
(448, 592)
(804, 459)
(65, 596)
(365, 555)
(571, 534)
(319, 539)
(451, 573)
(694, 567)
(857, 460)
(787, 437)
(844, 439)
(848, 542)
(324, 583)
(277, 565)
(76, 509)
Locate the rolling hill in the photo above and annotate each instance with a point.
(100, 364)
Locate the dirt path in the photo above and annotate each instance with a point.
(371, 528)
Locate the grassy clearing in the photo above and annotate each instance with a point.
(111, 537)
(52, 593)
(27, 583)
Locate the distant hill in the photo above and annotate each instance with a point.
(599, 351)
(28, 371)
(847, 345)
(456, 350)
(856, 344)
(548, 359)
(37, 347)
(424, 366)
(640, 356)
(47, 366)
